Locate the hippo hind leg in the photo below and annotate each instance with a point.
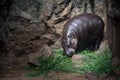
(92, 45)
(95, 43)
(99, 40)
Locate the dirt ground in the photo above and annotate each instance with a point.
(13, 73)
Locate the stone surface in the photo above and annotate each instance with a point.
(114, 61)
(45, 51)
(76, 58)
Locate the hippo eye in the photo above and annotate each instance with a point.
(63, 40)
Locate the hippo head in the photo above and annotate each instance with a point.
(69, 45)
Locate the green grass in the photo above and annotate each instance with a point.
(91, 62)
(55, 62)
(96, 63)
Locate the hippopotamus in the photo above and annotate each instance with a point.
(81, 32)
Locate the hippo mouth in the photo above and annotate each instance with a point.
(70, 52)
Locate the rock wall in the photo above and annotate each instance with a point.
(113, 36)
(4, 14)
(34, 23)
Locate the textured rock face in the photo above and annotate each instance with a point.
(4, 13)
(28, 32)
(34, 23)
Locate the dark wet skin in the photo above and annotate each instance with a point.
(84, 31)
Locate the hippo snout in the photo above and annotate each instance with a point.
(69, 52)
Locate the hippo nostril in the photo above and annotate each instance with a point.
(68, 54)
